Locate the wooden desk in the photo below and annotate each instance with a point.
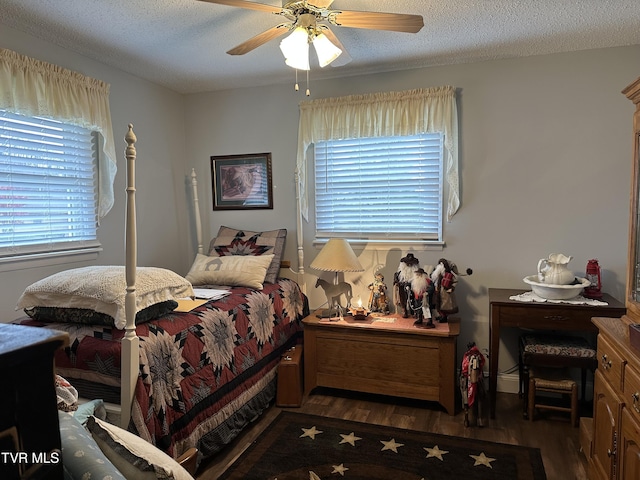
(392, 357)
(538, 316)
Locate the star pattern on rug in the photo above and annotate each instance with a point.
(339, 469)
(351, 439)
(310, 432)
(436, 452)
(314, 447)
(391, 445)
(482, 459)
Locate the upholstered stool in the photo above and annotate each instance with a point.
(552, 380)
(552, 350)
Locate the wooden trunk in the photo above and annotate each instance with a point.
(289, 388)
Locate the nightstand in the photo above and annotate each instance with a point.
(29, 430)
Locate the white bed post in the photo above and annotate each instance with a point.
(196, 209)
(299, 235)
(130, 364)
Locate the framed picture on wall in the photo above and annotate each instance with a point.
(242, 182)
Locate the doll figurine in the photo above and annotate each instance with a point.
(445, 279)
(401, 280)
(420, 293)
(378, 296)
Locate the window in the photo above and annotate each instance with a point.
(48, 186)
(380, 188)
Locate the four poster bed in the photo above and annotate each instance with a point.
(185, 373)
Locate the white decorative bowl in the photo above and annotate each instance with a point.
(552, 291)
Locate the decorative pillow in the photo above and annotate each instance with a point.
(237, 270)
(66, 395)
(82, 459)
(91, 408)
(244, 242)
(91, 317)
(103, 289)
(133, 456)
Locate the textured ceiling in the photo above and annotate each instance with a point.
(181, 44)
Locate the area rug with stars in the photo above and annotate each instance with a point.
(300, 446)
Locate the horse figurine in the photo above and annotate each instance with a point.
(334, 291)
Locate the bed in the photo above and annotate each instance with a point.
(186, 373)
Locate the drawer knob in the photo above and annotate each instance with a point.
(609, 452)
(606, 364)
(636, 401)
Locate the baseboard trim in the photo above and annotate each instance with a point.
(508, 383)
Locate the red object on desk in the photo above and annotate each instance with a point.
(593, 275)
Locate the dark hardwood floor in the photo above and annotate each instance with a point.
(554, 436)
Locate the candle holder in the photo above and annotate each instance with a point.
(359, 313)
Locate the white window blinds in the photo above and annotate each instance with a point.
(380, 187)
(48, 188)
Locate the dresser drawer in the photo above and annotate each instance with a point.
(631, 390)
(610, 363)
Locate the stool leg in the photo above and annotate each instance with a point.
(531, 398)
(525, 396)
(574, 405)
(520, 378)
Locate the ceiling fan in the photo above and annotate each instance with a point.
(310, 19)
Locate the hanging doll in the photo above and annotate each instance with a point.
(472, 385)
(445, 279)
(378, 296)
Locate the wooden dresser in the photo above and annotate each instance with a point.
(29, 430)
(612, 441)
(615, 448)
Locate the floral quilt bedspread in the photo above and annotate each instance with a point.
(197, 369)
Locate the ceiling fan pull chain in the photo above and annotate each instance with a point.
(297, 87)
(308, 91)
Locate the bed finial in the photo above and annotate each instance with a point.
(131, 139)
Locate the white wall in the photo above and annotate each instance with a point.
(545, 159)
(545, 149)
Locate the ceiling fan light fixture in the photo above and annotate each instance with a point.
(326, 51)
(295, 49)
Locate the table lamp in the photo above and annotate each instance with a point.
(336, 256)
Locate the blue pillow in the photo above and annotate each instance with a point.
(93, 407)
(81, 456)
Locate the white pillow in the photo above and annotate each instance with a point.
(237, 270)
(133, 456)
(103, 289)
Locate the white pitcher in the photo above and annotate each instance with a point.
(554, 270)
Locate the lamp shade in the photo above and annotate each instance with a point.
(337, 256)
(295, 49)
(327, 52)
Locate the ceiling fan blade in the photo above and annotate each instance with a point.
(260, 39)
(344, 57)
(249, 5)
(397, 22)
(322, 3)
